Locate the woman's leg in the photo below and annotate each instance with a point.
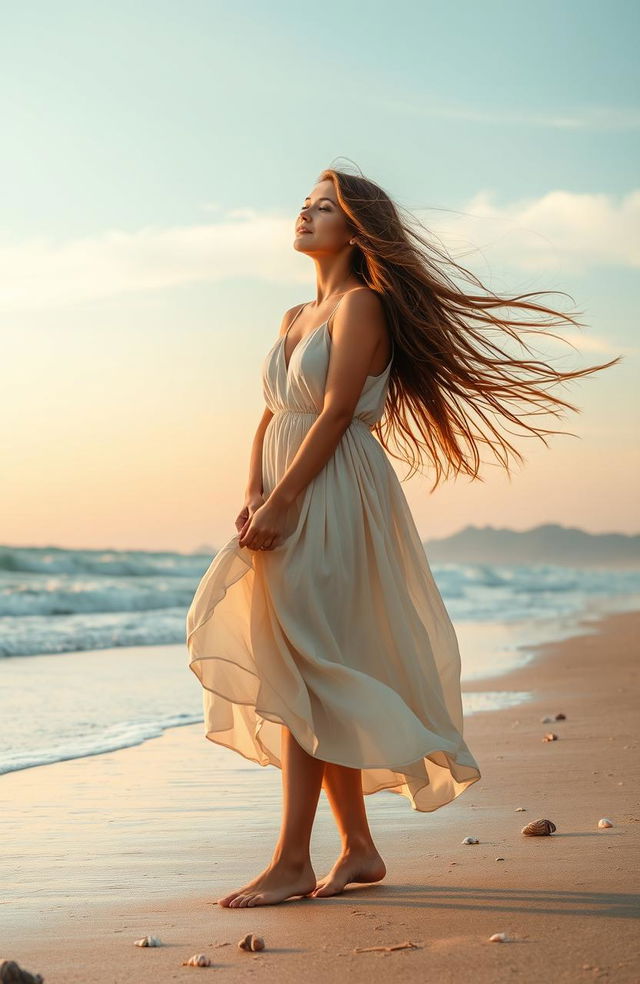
(359, 860)
(290, 871)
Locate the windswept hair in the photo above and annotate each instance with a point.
(448, 377)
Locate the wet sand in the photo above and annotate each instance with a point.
(98, 852)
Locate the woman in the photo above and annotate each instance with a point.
(318, 633)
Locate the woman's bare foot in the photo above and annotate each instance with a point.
(354, 865)
(279, 880)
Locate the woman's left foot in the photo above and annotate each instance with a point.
(279, 881)
(355, 865)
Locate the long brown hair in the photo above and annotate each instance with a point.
(446, 372)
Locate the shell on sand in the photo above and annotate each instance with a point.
(251, 942)
(550, 736)
(605, 822)
(499, 938)
(470, 840)
(12, 973)
(148, 941)
(197, 960)
(538, 828)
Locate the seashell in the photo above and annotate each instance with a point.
(560, 717)
(499, 859)
(605, 823)
(550, 736)
(499, 938)
(251, 942)
(539, 828)
(12, 973)
(520, 809)
(197, 960)
(148, 941)
(470, 840)
(547, 719)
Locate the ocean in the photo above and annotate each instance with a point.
(93, 655)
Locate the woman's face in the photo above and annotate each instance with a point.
(323, 222)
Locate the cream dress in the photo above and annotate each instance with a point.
(339, 632)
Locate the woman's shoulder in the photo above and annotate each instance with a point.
(363, 300)
(359, 301)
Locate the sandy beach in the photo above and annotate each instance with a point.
(100, 851)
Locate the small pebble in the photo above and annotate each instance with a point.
(605, 823)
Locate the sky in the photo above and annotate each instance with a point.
(155, 156)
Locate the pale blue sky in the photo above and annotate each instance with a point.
(154, 159)
(127, 114)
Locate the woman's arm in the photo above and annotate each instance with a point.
(359, 328)
(254, 481)
(254, 484)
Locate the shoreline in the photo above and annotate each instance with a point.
(126, 843)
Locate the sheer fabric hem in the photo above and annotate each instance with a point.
(459, 781)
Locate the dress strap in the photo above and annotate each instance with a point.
(294, 318)
(336, 306)
(302, 309)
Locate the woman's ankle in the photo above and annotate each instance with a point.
(358, 844)
(287, 858)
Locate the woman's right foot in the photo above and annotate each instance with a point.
(279, 881)
(354, 865)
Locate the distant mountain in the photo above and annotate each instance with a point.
(547, 544)
(204, 549)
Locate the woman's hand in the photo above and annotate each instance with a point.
(253, 501)
(265, 528)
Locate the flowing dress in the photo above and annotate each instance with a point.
(339, 632)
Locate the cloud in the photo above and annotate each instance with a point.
(589, 118)
(41, 273)
(561, 231)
